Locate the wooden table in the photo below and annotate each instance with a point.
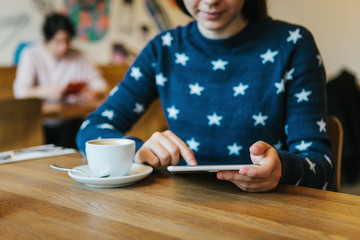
(153, 119)
(37, 202)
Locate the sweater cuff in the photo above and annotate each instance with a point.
(287, 164)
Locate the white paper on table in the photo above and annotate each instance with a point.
(21, 156)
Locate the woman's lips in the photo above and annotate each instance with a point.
(212, 15)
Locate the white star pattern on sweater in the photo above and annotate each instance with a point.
(278, 145)
(311, 165)
(108, 114)
(240, 89)
(193, 145)
(322, 125)
(269, 56)
(219, 64)
(234, 149)
(196, 89)
(139, 108)
(303, 146)
(166, 39)
(160, 79)
(214, 119)
(105, 126)
(319, 59)
(298, 182)
(114, 90)
(289, 74)
(259, 119)
(303, 96)
(84, 124)
(181, 58)
(294, 36)
(280, 86)
(325, 186)
(173, 112)
(328, 160)
(135, 73)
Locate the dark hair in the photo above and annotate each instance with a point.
(252, 9)
(55, 22)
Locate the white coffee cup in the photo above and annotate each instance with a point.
(113, 157)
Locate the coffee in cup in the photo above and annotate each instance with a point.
(111, 157)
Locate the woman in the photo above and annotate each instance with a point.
(53, 70)
(231, 80)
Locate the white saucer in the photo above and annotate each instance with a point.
(137, 172)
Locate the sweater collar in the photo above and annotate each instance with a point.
(250, 31)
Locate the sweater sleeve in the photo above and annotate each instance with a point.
(307, 161)
(125, 104)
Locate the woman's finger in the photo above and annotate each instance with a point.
(145, 155)
(263, 186)
(171, 147)
(185, 151)
(160, 152)
(235, 176)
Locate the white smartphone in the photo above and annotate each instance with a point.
(206, 168)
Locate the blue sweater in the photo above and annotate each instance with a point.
(220, 96)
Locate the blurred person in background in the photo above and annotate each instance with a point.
(53, 70)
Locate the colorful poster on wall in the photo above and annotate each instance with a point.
(91, 18)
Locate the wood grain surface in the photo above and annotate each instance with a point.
(37, 202)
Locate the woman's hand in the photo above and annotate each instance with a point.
(164, 149)
(257, 178)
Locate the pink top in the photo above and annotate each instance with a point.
(39, 69)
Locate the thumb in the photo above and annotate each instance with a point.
(257, 151)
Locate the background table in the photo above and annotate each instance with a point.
(63, 110)
(37, 202)
(153, 119)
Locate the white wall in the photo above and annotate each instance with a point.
(19, 20)
(335, 25)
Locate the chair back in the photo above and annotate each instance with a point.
(7, 77)
(335, 133)
(20, 123)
